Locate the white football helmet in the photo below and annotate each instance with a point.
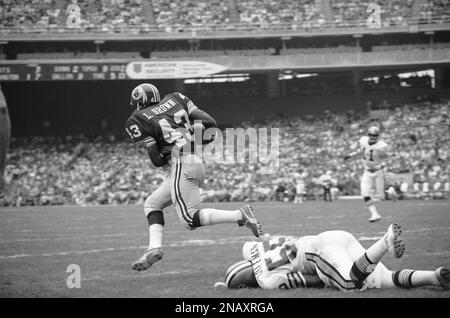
(241, 275)
(374, 133)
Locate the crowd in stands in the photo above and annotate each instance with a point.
(394, 12)
(176, 15)
(79, 15)
(269, 12)
(50, 171)
(435, 9)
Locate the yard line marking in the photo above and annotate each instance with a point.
(147, 274)
(112, 249)
(63, 238)
(428, 254)
(438, 204)
(424, 229)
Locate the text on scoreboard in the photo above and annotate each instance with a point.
(107, 71)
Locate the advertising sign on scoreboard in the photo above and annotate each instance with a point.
(172, 69)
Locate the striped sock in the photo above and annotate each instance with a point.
(361, 268)
(403, 278)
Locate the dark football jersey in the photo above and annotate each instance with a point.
(166, 124)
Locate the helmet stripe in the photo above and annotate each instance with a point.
(235, 270)
(155, 92)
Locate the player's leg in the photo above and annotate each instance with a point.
(186, 176)
(367, 266)
(379, 184)
(5, 131)
(408, 278)
(366, 187)
(367, 260)
(153, 208)
(333, 267)
(329, 253)
(392, 194)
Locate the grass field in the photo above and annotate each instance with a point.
(38, 243)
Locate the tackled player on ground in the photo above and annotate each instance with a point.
(333, 259)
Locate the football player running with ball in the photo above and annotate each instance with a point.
(374, 153)
(333, 259)
(166, 129)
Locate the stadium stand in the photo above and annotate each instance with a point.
(434, 9)
(79, 55)
(268, 12)
(173, 15)
(51, 15)
(325, 50)
(210, 53)
(45, 56)
(410, 47)
(393, 12)
(143, 16)
(69, 170)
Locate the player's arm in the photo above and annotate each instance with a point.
(155, 156)
(352, 155)
(386, 156)
(145, 140)
(290, 280)
(205, 124)
(200, 120)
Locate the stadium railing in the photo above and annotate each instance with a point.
(233, 29)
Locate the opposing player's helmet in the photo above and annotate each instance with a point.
(374, 133)
(241, 275)
(144, 95)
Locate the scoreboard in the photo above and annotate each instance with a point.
(126, 70)
(62, 71)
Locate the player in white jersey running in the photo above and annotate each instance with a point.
(332, 259)
(374, 153)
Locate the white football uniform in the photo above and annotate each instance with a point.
(373, 155)
(332, 254)
(282, 261)
(272, 263)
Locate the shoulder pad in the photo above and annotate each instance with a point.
(364, 140)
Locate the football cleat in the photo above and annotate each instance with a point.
(375, 217)
(394, 241)
(148, 259)
(443, 276)
(249, 220)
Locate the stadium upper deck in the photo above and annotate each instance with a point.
(229, 18)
